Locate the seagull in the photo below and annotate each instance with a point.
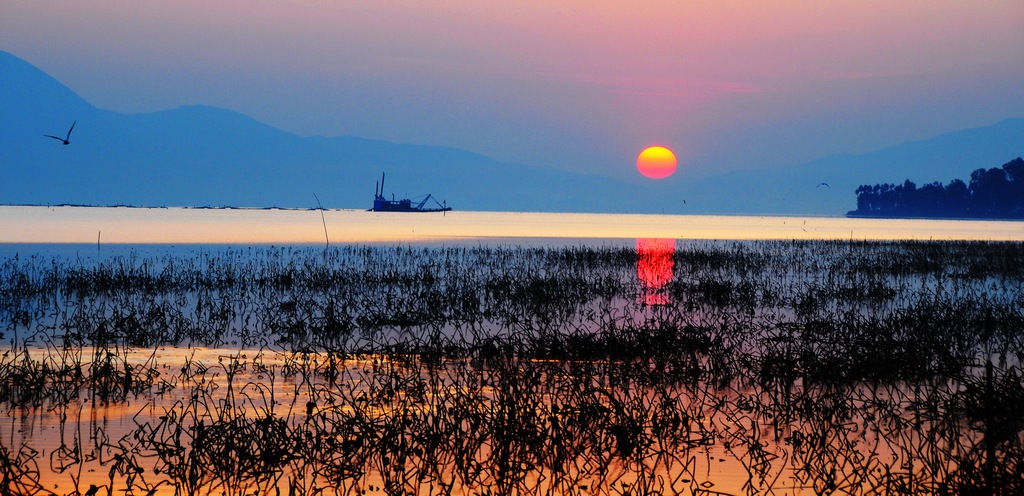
(824, 184)
(66, 140)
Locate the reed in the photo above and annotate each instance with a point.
(835, 366)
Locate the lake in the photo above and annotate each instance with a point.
(178, 351)
(124, 225)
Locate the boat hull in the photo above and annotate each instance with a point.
(381, 205)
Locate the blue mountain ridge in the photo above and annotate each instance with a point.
(206, 156)
(798, 190)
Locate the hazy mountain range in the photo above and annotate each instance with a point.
(205, 156)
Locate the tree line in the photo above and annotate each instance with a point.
(996, 193)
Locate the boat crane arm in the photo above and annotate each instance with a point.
(424, 202)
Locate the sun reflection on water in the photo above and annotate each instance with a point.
(654, 268)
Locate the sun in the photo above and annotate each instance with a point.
(656, 162)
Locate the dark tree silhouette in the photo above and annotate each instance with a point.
(996, 193)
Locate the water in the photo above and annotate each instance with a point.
(779, 425)
(123, 225)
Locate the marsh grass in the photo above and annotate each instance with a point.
(810, 367)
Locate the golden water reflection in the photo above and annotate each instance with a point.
(217, 421)
(286, 423)
(92, 225)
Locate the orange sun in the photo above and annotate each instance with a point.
(656, 162)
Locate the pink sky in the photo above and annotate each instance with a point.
(577, 85)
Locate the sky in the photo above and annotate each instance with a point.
(577, 85)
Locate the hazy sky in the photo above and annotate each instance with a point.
(580, 85)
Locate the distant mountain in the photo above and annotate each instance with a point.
(206, 156)
(799, 189)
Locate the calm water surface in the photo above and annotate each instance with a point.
(123, 225)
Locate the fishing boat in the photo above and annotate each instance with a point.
(382, 204)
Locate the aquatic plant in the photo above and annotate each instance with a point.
(835, 366)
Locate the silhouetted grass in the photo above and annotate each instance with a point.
(835, 366)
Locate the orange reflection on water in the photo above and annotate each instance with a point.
(655, 259)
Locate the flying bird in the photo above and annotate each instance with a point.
(824, 184)
(67, 139)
